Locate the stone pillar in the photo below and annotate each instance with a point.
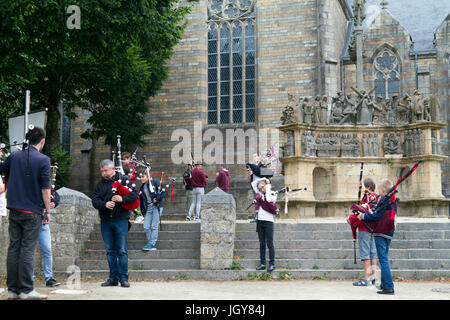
(218, 220)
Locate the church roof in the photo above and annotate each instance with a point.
(420, 17)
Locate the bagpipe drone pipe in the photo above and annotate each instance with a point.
(118, 188)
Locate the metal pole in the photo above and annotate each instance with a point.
(27, 110)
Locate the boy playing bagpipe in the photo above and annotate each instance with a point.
(366, 241)
(265, 203)
(151, 202)
(381, 223)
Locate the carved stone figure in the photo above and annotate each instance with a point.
(375, 145)
(417, 107)
(427, 109)
(408, 143)
(324, 110)
(289, 146)
(392, 144)
(337, 108)
(346, 145)
(308, 149)
(292, 112)
(380, 111)
(417, 142)
(308, 111)
(435, 148)
(365, 145)
(356, 146)
(303, 140)
(288, 116)
(334, 145)
(364, 106)
(317, 112)
(401, 109)
(349, 112)
(312, 149)
(319, 144)
(365, 113)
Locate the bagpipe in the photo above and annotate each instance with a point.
(386, 201)
(118, 188)
(260, 171)
(282, 190)
(6, 149)
(53, 170)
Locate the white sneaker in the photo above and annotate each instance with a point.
(33, 295)
(188, 218)
(139, 219)
(12, 295)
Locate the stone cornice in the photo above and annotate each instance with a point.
(371, 129)
(330, 161)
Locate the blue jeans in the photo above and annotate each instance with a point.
(45, 242)
(197, 202)
(114, 235)
(383, 245)
(151, 225)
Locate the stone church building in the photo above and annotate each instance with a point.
(240, 59)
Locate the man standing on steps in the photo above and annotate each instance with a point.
(187, 181)
(28, 200)
(199, 182)
(114, 223)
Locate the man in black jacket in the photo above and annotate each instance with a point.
(114, 223)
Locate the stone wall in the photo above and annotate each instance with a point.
(72, 223)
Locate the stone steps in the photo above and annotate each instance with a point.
(318, 249)
(138, 244)
(296, 264)
(344, 253)
(342, 244)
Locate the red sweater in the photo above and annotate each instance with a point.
(199, 178)
(223, 180)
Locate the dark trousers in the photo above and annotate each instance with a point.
(114, 234)
(24, 229)
(265, 235)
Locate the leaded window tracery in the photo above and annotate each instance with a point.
(386, 74)
(231, 61)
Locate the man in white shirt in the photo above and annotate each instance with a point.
(267, 209)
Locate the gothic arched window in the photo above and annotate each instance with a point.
(231, 61)
(387, 74)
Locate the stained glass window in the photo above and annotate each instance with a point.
(386, 74)
(231, 61)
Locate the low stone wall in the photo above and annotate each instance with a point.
(218, 221)
(72, 223)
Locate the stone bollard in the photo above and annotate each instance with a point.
(218, 221)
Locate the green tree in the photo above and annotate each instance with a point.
(110, 66)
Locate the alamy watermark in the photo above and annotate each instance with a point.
(227, 146)
(74, 20)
